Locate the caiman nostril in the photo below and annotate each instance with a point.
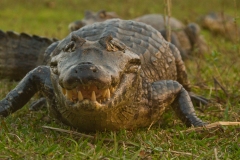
(93, 68)
(86, 67)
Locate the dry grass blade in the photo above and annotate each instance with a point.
(167, 23)
(205, 88)
(212, 126)
(150, 125)
(19, 139)
(235, 22)
(215, 154)
(87, 136)
(216, 82)
(183, 153)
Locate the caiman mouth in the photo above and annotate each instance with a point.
(90, 92)
(90, 97)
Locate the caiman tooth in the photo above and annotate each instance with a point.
(63, 91)
(80, 96)
(93, 96)
(108, 94)
(104, 93)
(69, 94)
(112, 89)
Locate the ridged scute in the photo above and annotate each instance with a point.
(156, 56)
(19, 53)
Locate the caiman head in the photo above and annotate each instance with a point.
(89, 76)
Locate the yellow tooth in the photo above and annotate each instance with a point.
(69, 94)
(104, 93)
(93, 96)
(112, 89)
(108, 94)
(80, 96)
(63, 91)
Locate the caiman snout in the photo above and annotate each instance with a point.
(85, 74)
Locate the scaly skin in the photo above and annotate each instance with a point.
(109, 76)
(20, 53)
(186, 38)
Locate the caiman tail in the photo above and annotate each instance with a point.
(20, 53)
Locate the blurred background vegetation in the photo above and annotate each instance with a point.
(51, 17)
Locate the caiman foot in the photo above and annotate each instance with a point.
(198, 100)
(38, 104)
(4, 108)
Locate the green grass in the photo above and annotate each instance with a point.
(22, 135)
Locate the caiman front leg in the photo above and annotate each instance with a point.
(168, 92)
(183, 78)
(36, 80)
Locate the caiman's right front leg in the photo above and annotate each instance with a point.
(168, 92)
(36, 80)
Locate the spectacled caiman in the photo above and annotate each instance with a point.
(117, 74)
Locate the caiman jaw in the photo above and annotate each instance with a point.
(91, 93)
(88, 97)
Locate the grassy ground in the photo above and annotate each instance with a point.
(215, 76)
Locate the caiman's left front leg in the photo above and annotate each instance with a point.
(36, 80)
(168, 92)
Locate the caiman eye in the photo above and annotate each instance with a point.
(75, 41)
(102, 14)
(132, 69)
(111, 44)
(133, 65)
(70, 47)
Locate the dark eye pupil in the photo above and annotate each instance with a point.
(70, 47)
(53, 64)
